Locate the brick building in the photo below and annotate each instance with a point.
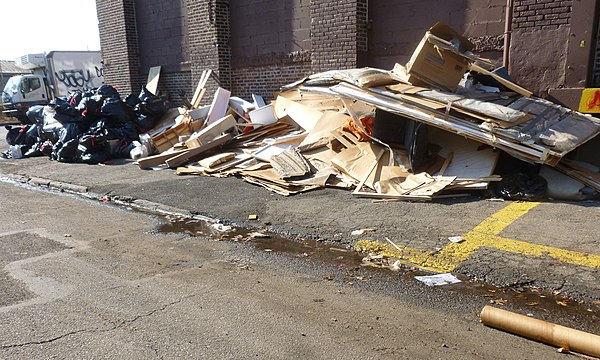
(255, 46)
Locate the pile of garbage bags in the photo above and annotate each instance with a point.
(86, 127)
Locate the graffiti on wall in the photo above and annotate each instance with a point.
(76, 79)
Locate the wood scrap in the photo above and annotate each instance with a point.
(190, 154)
(509, 84)
(201, 88)
(156, 160)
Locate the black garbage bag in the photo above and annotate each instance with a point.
(107, 91)
(90, 106)
(51, 131)
(149, 110)
(521, 186)
(66, 152)
(35, 114)
(132, 100)
(116, 113)
(19, 135)
(74, 98)
(92, 157)
(62, 106)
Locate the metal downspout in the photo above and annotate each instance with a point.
(507, 34)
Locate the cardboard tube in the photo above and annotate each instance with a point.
(542, 331)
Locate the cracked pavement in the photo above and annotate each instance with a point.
(102, 283)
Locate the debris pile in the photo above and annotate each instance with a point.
(432, 128)
(87, 127)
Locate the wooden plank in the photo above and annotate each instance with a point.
(211, 131)
(201, 88)
(514, 87)
(189, 154)
(156, 160)
(218, 108)
(577, 172)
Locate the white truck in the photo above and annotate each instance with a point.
(46, 76)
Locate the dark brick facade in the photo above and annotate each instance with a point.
(334, 34)
(119, 43)
(255, 46)
(531, 15)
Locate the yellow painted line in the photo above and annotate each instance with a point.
(482, 235)
(486, 234)
(525, 248)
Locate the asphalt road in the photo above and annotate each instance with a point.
(551, 246)
(84, 279)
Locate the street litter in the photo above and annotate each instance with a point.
(256, 235)
(438, 279)
(221, 228)
(362, 231)
(542, 331)
(456, 239)
(438, 126)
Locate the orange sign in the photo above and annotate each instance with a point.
(590, 101)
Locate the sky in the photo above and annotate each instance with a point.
(37, 26)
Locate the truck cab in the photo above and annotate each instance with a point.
(23, 91)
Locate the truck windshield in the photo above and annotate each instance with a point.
(12, 85)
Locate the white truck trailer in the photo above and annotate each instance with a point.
(46, 76)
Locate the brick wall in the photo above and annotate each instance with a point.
(118, 40)
(208, 36)
(265, 80)
(530, 15)
(334, 32)
(595, 82)
(173, 84)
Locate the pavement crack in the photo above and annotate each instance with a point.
(152, 312)
(114, 327)
(12, 346)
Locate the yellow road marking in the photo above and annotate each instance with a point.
(486, 234)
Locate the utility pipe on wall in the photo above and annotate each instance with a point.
(507, 34)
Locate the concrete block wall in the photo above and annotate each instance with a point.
(397, 27)
(540, 44)
(271, 45)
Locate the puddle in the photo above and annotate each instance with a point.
(265, 240)
(533, 302)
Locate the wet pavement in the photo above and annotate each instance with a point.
(549, 246)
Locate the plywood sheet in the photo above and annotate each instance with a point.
(469, 160)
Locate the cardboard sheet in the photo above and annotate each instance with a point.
(302, 115)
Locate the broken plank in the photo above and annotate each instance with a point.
(219, 106)
(156, 160)
(189, 154)
(509, 84)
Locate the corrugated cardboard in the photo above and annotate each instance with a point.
(442, 66)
